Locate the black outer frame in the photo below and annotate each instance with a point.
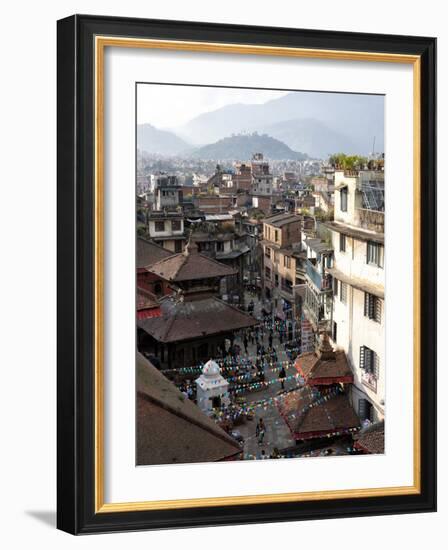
(75, 173)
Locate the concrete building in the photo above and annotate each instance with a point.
(168, 197)
(216, 204)
(218, 237)
(358, 285)
(242, 176)
(161, 179)
(167, 229)
(318, 299)
(252, 231)
(281, 249)
(262, 179)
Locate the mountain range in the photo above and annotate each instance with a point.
(243, 146)
(162, 142)
(314, 123)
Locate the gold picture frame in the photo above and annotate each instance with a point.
(122, 38)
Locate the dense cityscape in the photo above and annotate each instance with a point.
(260, 308)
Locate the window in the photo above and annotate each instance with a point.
(364, 409)
(372, 307)
(334, 331)
(369, 361)
(344, 195)
(375, 254)
(267, 252)
(342, 242)
(276, 236)
(267, 273)
(276, 279)
(343, 295)
(176, 225)
(287, 261)
(220, 247)
(177, 246)
(335, 286)
(160, 226)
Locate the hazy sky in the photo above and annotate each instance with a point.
(166, 106)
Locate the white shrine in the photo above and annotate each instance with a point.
(212, 388)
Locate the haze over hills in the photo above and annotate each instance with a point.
(328, 122)
(163, 142)
(312, 136)
(243, 146)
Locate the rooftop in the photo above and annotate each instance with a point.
(371, 439)
(171, 429)
(148, 253)
(146, 299)
(279, 220)
(309, 413)
(325, 366)
(318, 245)
(187, 320)
(218, 217)
(190, 265)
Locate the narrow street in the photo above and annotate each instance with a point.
(277, 434)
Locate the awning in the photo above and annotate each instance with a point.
(360, 284)
(355, 233)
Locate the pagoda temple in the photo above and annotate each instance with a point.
(194, 322)
(321, 407)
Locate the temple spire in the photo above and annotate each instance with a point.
(324, 349)
(191, 248)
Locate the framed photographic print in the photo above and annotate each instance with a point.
(246, 274)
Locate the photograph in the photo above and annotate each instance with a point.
(260, 274)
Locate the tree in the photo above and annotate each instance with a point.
(347, 162)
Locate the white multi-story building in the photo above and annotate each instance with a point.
(167, 229)
(358, 285)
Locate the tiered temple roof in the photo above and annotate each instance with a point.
(321, 407)
(324, 366)
(189, 266)
(185, 320)
(193, 312)
(310, 413)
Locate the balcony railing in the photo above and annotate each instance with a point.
(372, 220)
(286, 288)
(321, 283)
(313, 275)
